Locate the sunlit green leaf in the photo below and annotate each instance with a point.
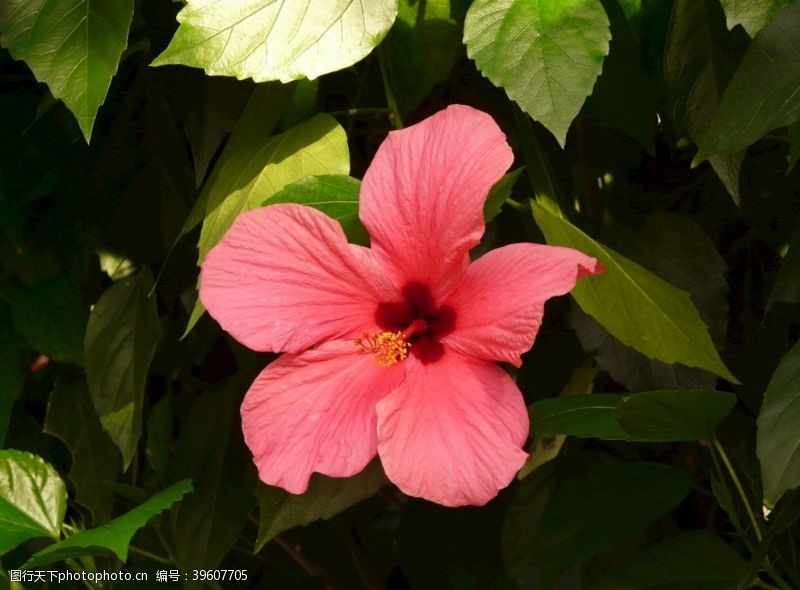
(334, 195)
(121, 339)
(73, 46)
(259, 170)
(277, 39)
(762, 94)
(113, 537)
(778, 438)
(326, 497)
(546, 54)
(751, 14)
(95, 462)
(634, 305)
(33, 499)
(256, 167)
(679, 251)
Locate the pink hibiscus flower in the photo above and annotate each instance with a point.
(391, 350)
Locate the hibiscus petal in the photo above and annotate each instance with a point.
(422, 197)
(315, 412)
(284, 278)
(452, 432)
(499, 303)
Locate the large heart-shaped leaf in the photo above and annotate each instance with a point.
(33, 499)
(113, 537)
(121, 339)
(778, 437)
(636, 307)
(546, 54)
(73, 46)
(277, 39)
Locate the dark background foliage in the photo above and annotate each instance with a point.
(98, 270)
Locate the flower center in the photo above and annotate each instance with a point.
(389, 348)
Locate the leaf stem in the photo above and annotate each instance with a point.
(739, 488)
(517, 205)
(394, 116)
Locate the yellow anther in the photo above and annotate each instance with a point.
(388, 348)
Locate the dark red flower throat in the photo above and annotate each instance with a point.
(421, 321)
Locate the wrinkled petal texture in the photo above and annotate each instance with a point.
(452, 432)
(315, 412)
(422, 197)
(284, 278)
(499, 303)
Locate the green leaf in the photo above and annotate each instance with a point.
(212, 453)
(277, 39)
(73, 46)
(786, 287)
(546, 54)
(589, 416)
(680, 252)
(546, 446)
(697, 67)
(624, 97)
(668, 416)
(326, 497)
(334, 195)
(794, 146)
(33, 499)
(121, 339)
(499, 193)
(422, 47)
(589, 513)
(72, 418)
(255, 169)
(762, 94)
(259, 170)
(258, 120)
(634, 305)
(778, 438)
(51, 317)
(113, 537)
(159, 437)
(12, 376)
(696, 560)
(753, 15)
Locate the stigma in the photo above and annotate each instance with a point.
(387, 348)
